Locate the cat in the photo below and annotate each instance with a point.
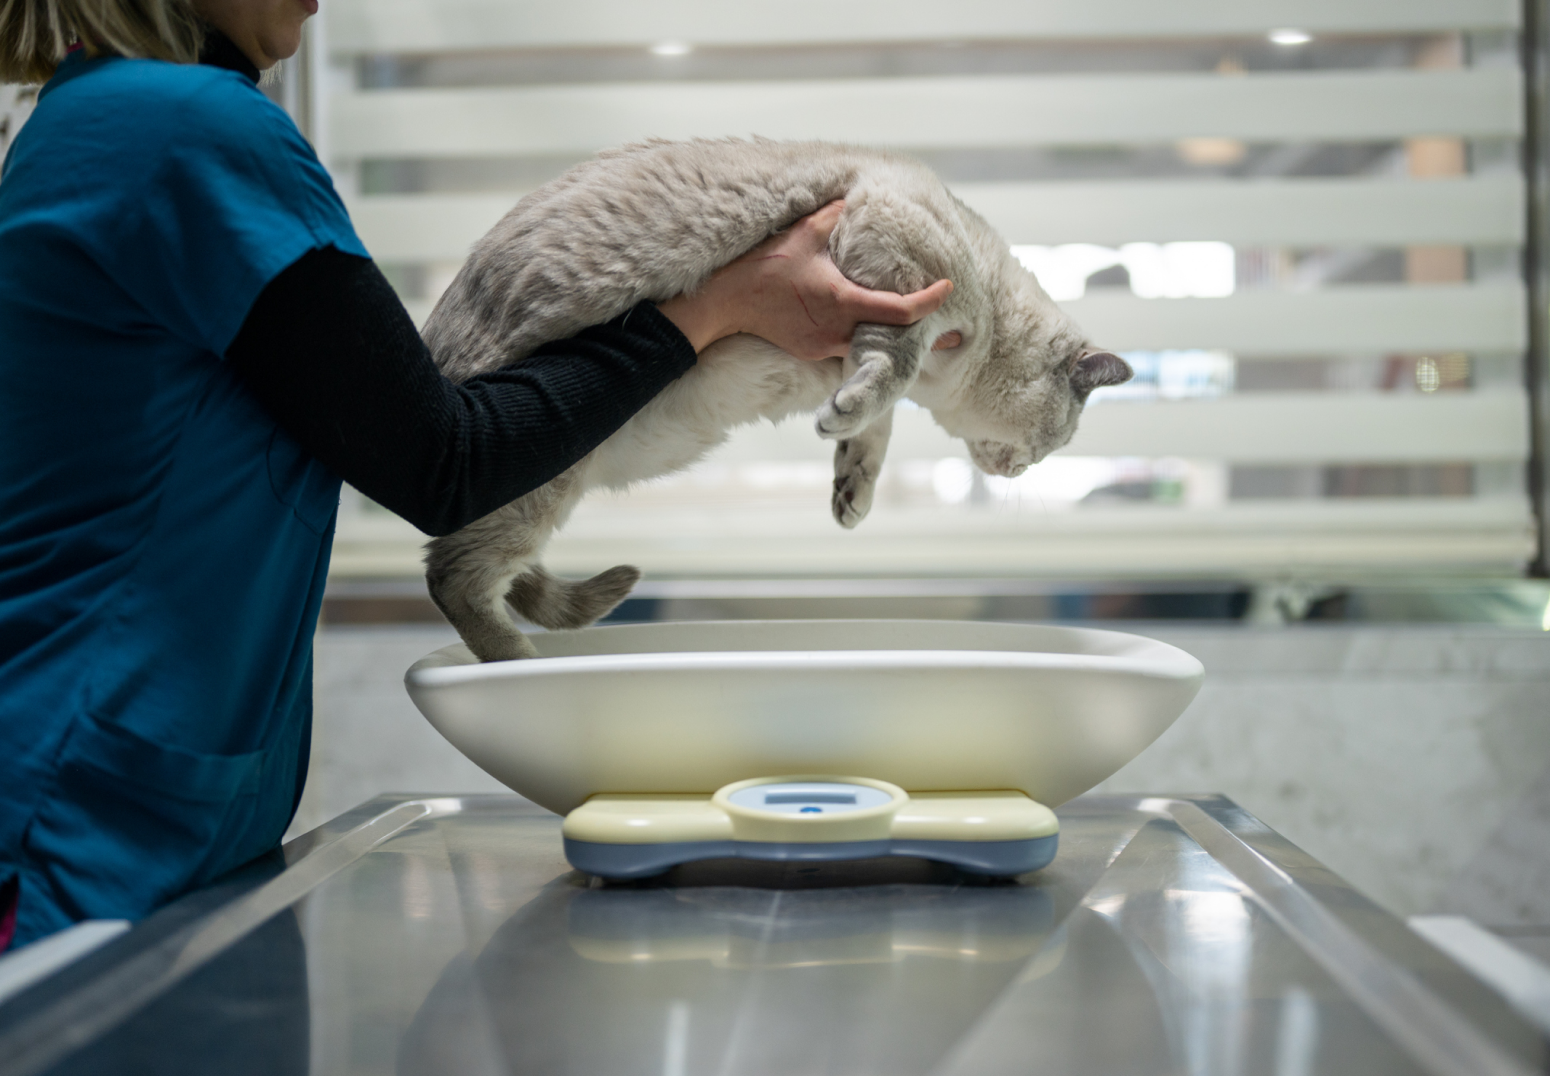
(655, 219)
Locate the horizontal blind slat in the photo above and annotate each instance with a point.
(920, 113)
(429, 25)
(1139, 542)
(1363, 317)
(1245, 539)
(1291, 212)
(1282, 427)
(1308, 212)
(1357, 318)
(1326, 427)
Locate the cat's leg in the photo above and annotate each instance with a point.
(557, 604)
(857, 462)
(882, 365)
(470, 572)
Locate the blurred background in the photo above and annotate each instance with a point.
(1306, 238)
(1312, 227)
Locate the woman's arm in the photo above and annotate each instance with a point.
(332, 355)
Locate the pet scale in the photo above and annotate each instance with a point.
(810, 818)
(808, 740)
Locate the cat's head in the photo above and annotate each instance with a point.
(1013, 391)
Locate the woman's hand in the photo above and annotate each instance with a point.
(788, 291)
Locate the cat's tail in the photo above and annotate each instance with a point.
(557, 604)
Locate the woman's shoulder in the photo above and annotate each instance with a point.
(142, 98)
(150, 145)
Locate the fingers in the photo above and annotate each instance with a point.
(887, 308)
(947, 341)
(928, 300)
(790, 292)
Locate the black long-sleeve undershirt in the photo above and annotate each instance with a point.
(331, 354)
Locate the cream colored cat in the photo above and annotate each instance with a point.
(653, 220)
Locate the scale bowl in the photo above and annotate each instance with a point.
(928, 705)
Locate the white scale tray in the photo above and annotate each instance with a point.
(928, 705)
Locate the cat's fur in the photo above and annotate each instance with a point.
(653, 220)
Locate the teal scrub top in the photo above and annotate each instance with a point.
(163, 545)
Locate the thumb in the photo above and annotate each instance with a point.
(817, 226)
(929, 300)
(888, 308)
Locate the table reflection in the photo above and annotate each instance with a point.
(1170, 965)
(679, 979)
(243, 1014)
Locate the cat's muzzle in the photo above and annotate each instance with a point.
(1000, 458)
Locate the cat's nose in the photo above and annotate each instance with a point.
(1000, 459)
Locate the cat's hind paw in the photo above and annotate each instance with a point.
(854, 485)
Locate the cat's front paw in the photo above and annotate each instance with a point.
(854, 484)
(834, 424)
(869, 392)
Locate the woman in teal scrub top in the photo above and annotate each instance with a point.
(194, 349)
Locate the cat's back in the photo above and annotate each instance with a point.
(645, 221)
(728, 182)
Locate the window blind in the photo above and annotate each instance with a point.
(1347, 400)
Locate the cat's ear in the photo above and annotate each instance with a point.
(1096, 369)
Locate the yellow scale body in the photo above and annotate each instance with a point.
(810, 817)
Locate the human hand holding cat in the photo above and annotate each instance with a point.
(788, 291)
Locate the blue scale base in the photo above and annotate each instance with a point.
(628, 861)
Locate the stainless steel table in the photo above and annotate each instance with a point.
(447, 935)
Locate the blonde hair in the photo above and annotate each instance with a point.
(34, 34)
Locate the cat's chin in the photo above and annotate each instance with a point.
(999, 458)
